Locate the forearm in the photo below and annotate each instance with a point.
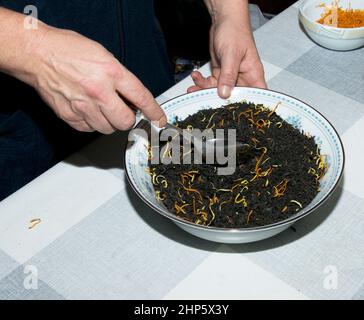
(18, 44)
(234, 10)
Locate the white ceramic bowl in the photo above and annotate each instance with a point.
(292, 110)
(330, 37)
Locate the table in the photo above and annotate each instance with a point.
(96, 238)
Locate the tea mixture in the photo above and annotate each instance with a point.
(278, 177)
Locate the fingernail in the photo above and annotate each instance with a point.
(225, 92)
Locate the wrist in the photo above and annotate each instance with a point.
(221, 10)
(29, 62)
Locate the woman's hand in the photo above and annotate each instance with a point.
(234, 57)
(85, 85)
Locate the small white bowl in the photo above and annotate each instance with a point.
(341, 39)
(294, 111)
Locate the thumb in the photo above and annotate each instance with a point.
(230, 63)
(131, 88)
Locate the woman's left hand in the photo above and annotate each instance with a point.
(234, 59)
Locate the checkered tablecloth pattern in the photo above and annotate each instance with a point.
(98, 240)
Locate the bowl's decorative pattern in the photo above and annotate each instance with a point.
(295, 121)
(292, 110)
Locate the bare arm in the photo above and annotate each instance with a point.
(78, 78)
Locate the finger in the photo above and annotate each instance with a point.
(81, 126)
(261, 84)
(118, 114)
(216, 72)
(211, 82)
(255, 78)
(202, 82)
(98, 122)
(92, 114)
(241, 82)
(193, 89)
(252, 71)
(230, 63)
(197, 78)
(133, 90)
(63, 108)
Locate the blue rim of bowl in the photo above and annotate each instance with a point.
(323, 25)
(278, 224)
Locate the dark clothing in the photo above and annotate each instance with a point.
(32, 138)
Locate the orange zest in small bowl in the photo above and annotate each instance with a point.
(336, 16)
